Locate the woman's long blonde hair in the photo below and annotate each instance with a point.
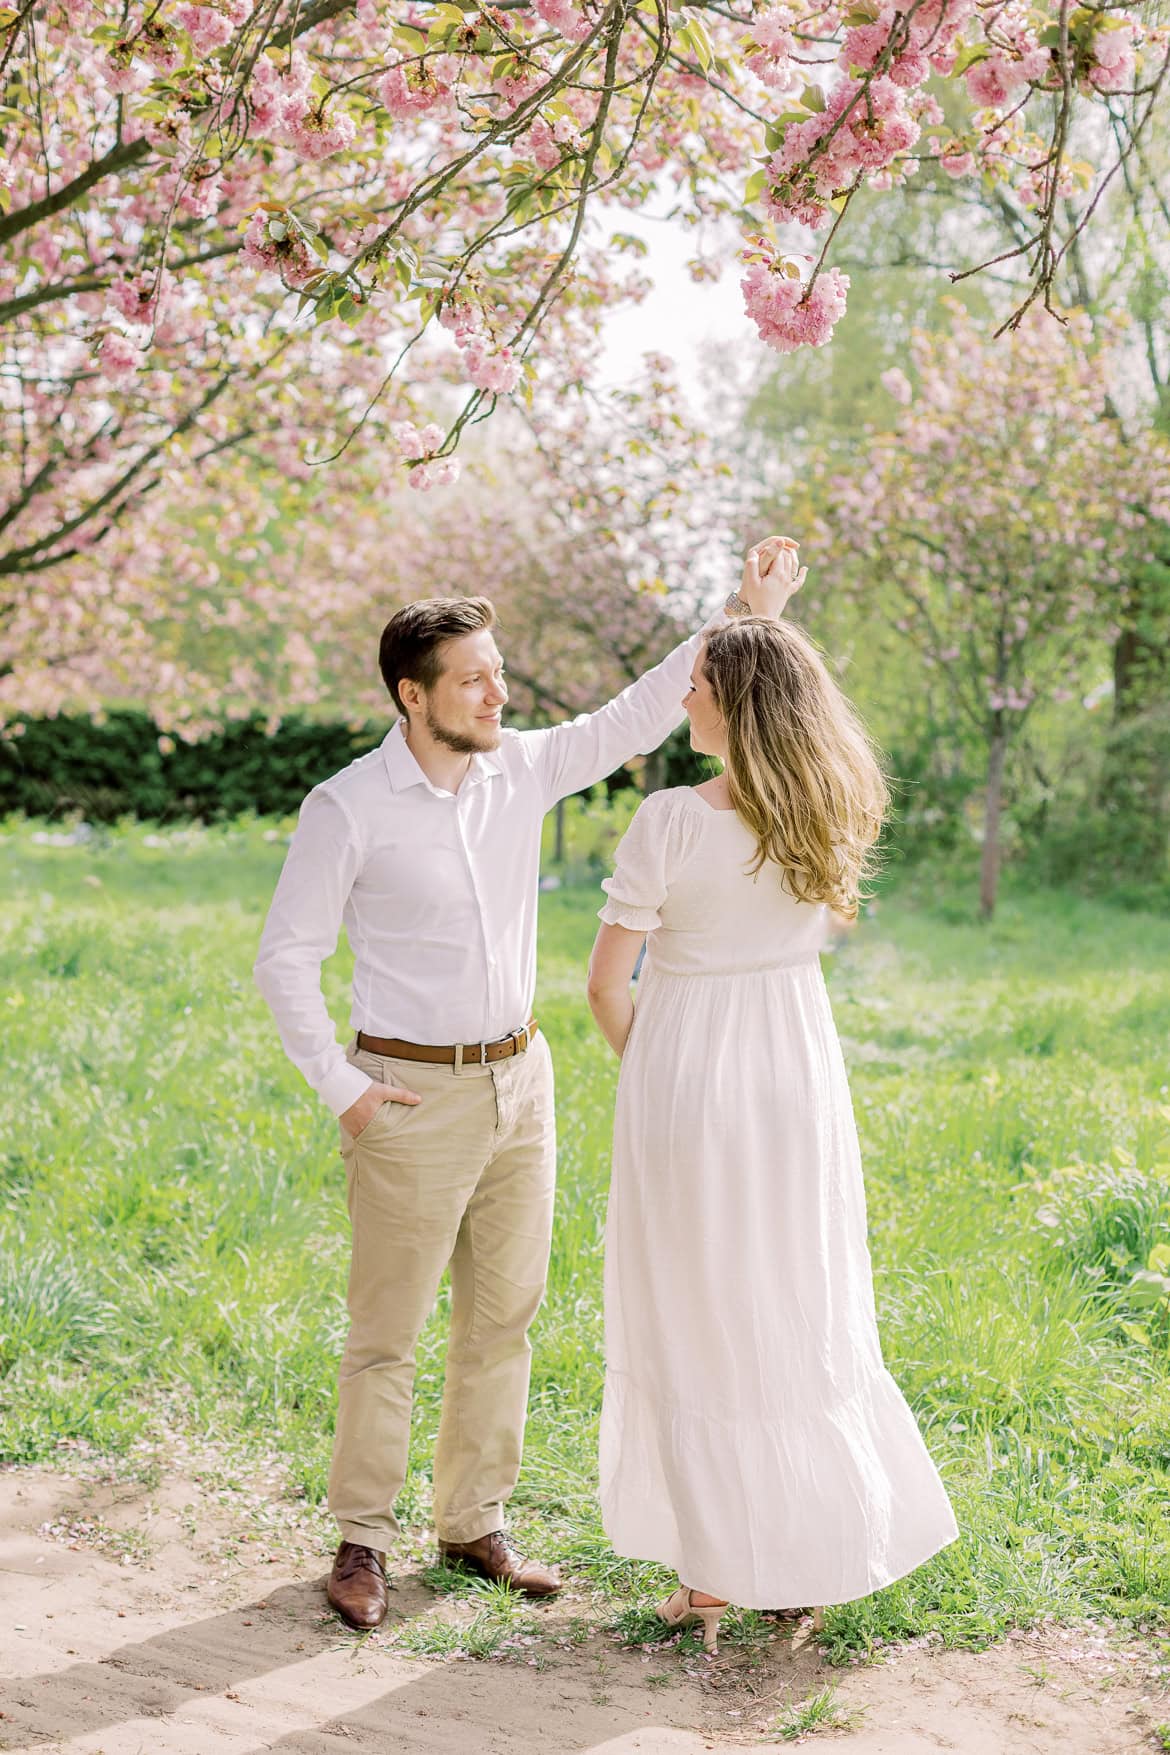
(803, 773)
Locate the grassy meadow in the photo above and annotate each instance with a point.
(173, 1243)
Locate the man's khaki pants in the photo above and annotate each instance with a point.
(463, 1178)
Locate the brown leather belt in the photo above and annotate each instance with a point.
(459, 1054)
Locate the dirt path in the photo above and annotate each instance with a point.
(137, 1623)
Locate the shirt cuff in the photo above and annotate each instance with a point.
(340, 1089)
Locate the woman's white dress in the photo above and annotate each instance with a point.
(751, 1437)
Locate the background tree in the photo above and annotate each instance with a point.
(237, 589)
(1001, 511)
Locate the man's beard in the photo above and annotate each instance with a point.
(460, 741)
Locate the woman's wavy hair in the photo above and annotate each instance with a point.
(803, 773)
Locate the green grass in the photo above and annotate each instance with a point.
(820, 1712)
(173, 1241)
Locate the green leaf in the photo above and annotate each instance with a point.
(697, 31)
(1146, 1288)
(813, 98)
(410, 39)
(755, 186)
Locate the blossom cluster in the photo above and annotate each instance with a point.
(275, 242)
(570, 19)
(863, 128)
(286, 110)
(491, 368)
(787, 312)
(420, 445)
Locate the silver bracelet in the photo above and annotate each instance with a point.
(736, 605)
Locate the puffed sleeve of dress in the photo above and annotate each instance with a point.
(647, 855)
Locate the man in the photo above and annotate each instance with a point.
(428, 850)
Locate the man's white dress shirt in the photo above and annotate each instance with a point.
(437, 890)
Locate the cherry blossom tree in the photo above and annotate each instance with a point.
(239, 588)
(186, 189)
(1004, 511)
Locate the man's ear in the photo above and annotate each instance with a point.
(409, 693)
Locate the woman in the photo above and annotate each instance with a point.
(751, 1437)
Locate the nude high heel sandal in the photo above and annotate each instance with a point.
(679, 1611)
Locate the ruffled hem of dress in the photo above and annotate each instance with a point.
(767, 1516)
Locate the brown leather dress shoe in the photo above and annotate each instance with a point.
(495, 1557)
(357, 1585)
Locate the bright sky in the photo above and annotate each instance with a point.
(679, 317)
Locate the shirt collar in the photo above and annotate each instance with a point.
(403, 771)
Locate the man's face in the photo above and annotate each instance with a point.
(463, 709)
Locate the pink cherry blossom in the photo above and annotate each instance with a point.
(407, 437)
(316, 135)
(789, 315)
(119, 359)
(542, 145)
(1113, 57)
(408, 91)
(123, 76)
(275, 243)
(208, 28)
(566, 17)
(497, 372)
(994, 81)
(898, 385)
(443, 472)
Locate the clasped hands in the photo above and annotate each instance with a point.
(771, 575)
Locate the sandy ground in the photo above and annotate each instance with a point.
(136, 1622)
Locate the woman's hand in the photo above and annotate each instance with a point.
(771, 575)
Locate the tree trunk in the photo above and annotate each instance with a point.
(992, 812)
(654, 772)
(559, 832)
(1135, 772)
(1141, 657)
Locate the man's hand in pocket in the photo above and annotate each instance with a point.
(359, 1115)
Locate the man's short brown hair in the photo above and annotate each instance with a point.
(413, 637)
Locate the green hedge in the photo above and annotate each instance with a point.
(117, 768)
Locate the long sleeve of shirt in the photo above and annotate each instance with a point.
(301, 931)
(567, 758)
